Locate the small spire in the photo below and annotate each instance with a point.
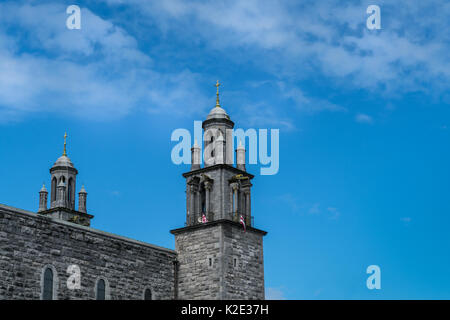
(65, 137)
(43, 188)
(217, 99)
(195, 144)
(83, 190)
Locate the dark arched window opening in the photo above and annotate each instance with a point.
(203, 199)
(70, 190)
(101, 292)
(48, 285)
(148, 294)
(54, 189)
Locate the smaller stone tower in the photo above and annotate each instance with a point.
(62, 193)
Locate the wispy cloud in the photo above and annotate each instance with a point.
(274, 294)
(326, 36)
(305, 103)
(314, 209)
(333, 213)
(101, 72)
(406, 220)
(363, 118)
(97, 72)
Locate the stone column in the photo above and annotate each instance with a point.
(82, 196)
(43, 195)
(207, 200)
(248, 211)
(235, 188)
(191, 204)
(198, 205)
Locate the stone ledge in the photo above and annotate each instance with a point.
(223, 166)
(214, 223)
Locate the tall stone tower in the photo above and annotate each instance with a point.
(220, 253)
(62, 193)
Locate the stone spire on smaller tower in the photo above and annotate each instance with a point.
(195, 156)
(82, 195)
(220, 150)
(61, 195)
(43, 195)
(240, 156)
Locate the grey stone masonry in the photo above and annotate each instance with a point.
(29, 242)
(218, 260)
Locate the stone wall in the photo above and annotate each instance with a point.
(199, 255)
(29, 242)
(218, 260)
(244, 263)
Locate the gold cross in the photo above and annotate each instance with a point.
(217, 100)
(65, 137)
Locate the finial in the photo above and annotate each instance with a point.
(65, 137)
(217, 100)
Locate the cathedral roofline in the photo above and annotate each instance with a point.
(216, 166)
(216, 222)
(12, 210)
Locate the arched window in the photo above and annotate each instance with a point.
(54, 189)
(70, 188)
(101, 290)
(203, 198)
(47, 292)
(148, 294)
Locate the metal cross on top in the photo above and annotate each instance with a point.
(217, 100)
(65, 137)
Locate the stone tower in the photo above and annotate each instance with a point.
(220, 253)
(62, 193)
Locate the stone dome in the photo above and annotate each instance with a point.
(63, 161)
(218, 113)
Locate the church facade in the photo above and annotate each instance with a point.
(54, 254)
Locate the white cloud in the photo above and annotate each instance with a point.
(97, 72)
(274, 294)
(314, 209)
(363, 118)
(305, 103)
(406, 220)
(295, 39)
(334, 213)
(100, 69)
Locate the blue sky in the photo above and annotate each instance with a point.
(363, 115)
